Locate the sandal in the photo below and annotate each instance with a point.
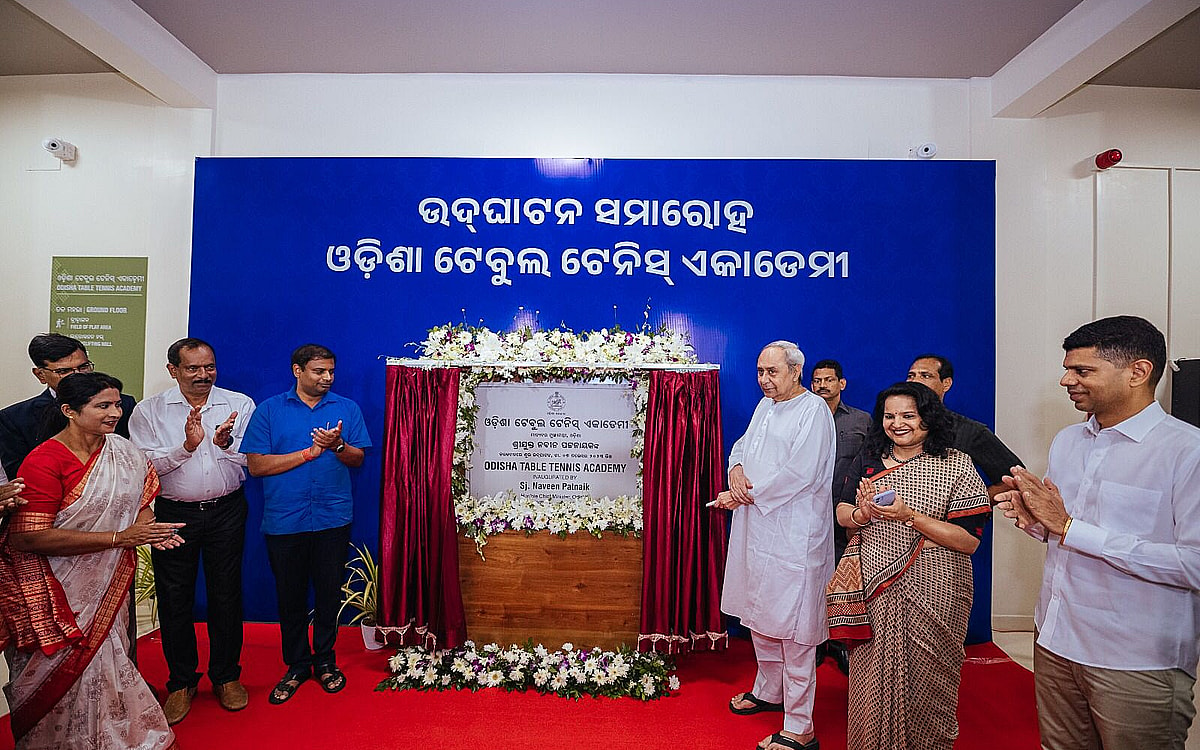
(331, 678)
(286, 688)
(758, 707)
(788, 742)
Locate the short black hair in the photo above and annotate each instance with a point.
(186, 343)
(829, 364)
(51, 347)
(945, 369)
(1122, 339)
(935, 417)
(308, 352)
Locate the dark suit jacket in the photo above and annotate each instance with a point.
(26, 424)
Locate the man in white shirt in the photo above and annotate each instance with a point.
(1119, 614)
(192, 433)
(781, 543)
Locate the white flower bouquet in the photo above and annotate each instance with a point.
(568, 672)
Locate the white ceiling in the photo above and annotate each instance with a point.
(885, 38)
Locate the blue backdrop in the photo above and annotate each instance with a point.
(867, 262)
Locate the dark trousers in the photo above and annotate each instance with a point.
(216, 533)
(316, 558)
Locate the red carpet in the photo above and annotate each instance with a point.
(996, 708)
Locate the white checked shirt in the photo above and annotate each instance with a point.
(1121, 592)
(206, 473)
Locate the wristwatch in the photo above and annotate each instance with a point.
(340, 447)
(910, 520)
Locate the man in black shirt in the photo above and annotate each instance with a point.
(852, 425)
(991, 456)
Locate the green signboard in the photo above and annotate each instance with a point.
(102, 302)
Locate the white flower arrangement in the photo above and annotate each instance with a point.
(568, 672)
(508, 511)
(565, 355)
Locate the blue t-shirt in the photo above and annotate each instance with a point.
(315, 495)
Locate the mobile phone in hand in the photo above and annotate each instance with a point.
(887, 497)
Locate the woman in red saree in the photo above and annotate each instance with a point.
(902, 592)
(66, 562)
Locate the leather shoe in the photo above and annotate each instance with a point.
(231, 695)
(841, 656)
(179, 702)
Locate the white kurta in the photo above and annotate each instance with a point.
(781, 547)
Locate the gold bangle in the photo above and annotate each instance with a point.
(1066, 528)
(114, 540)
(854, 520)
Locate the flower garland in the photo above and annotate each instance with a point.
(569, 672)
(508, 511)
(565, 355)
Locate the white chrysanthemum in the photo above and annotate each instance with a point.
(648, 685)
(673, 682)
(541, 677)
(396, 663)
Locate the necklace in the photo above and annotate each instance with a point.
(892, 455)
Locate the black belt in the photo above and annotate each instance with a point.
(203, 504)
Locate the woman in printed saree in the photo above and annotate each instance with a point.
(901, 594)
(66, 562)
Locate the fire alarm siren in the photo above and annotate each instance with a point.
(1109, 158)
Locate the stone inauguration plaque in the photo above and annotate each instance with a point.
(554, 440)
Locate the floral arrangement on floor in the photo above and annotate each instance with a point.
(562, 354)
(568, 672)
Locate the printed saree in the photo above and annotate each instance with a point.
(63, 619)
(903, 603)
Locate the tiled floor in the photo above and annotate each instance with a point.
(1018, 646)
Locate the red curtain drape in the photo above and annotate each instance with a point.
(683, 541)
(420, 598)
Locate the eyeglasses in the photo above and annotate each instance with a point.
(64, 371)
(193, 369)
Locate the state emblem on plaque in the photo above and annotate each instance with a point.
(556, 402)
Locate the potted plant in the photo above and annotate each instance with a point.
(360, 593)
(143, 583)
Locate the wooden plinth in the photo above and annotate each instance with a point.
(580, 590)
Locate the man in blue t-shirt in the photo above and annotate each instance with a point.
(303, 443)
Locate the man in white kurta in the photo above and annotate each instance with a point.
(781, 543)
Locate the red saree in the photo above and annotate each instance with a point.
(72, 683)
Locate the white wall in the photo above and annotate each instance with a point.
(1045, 247)
(129, 193)
(128, 199)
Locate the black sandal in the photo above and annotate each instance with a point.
(331, 678)
(287, 687)
(758, 707)
(788, 742)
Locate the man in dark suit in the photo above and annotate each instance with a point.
(27, 423)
